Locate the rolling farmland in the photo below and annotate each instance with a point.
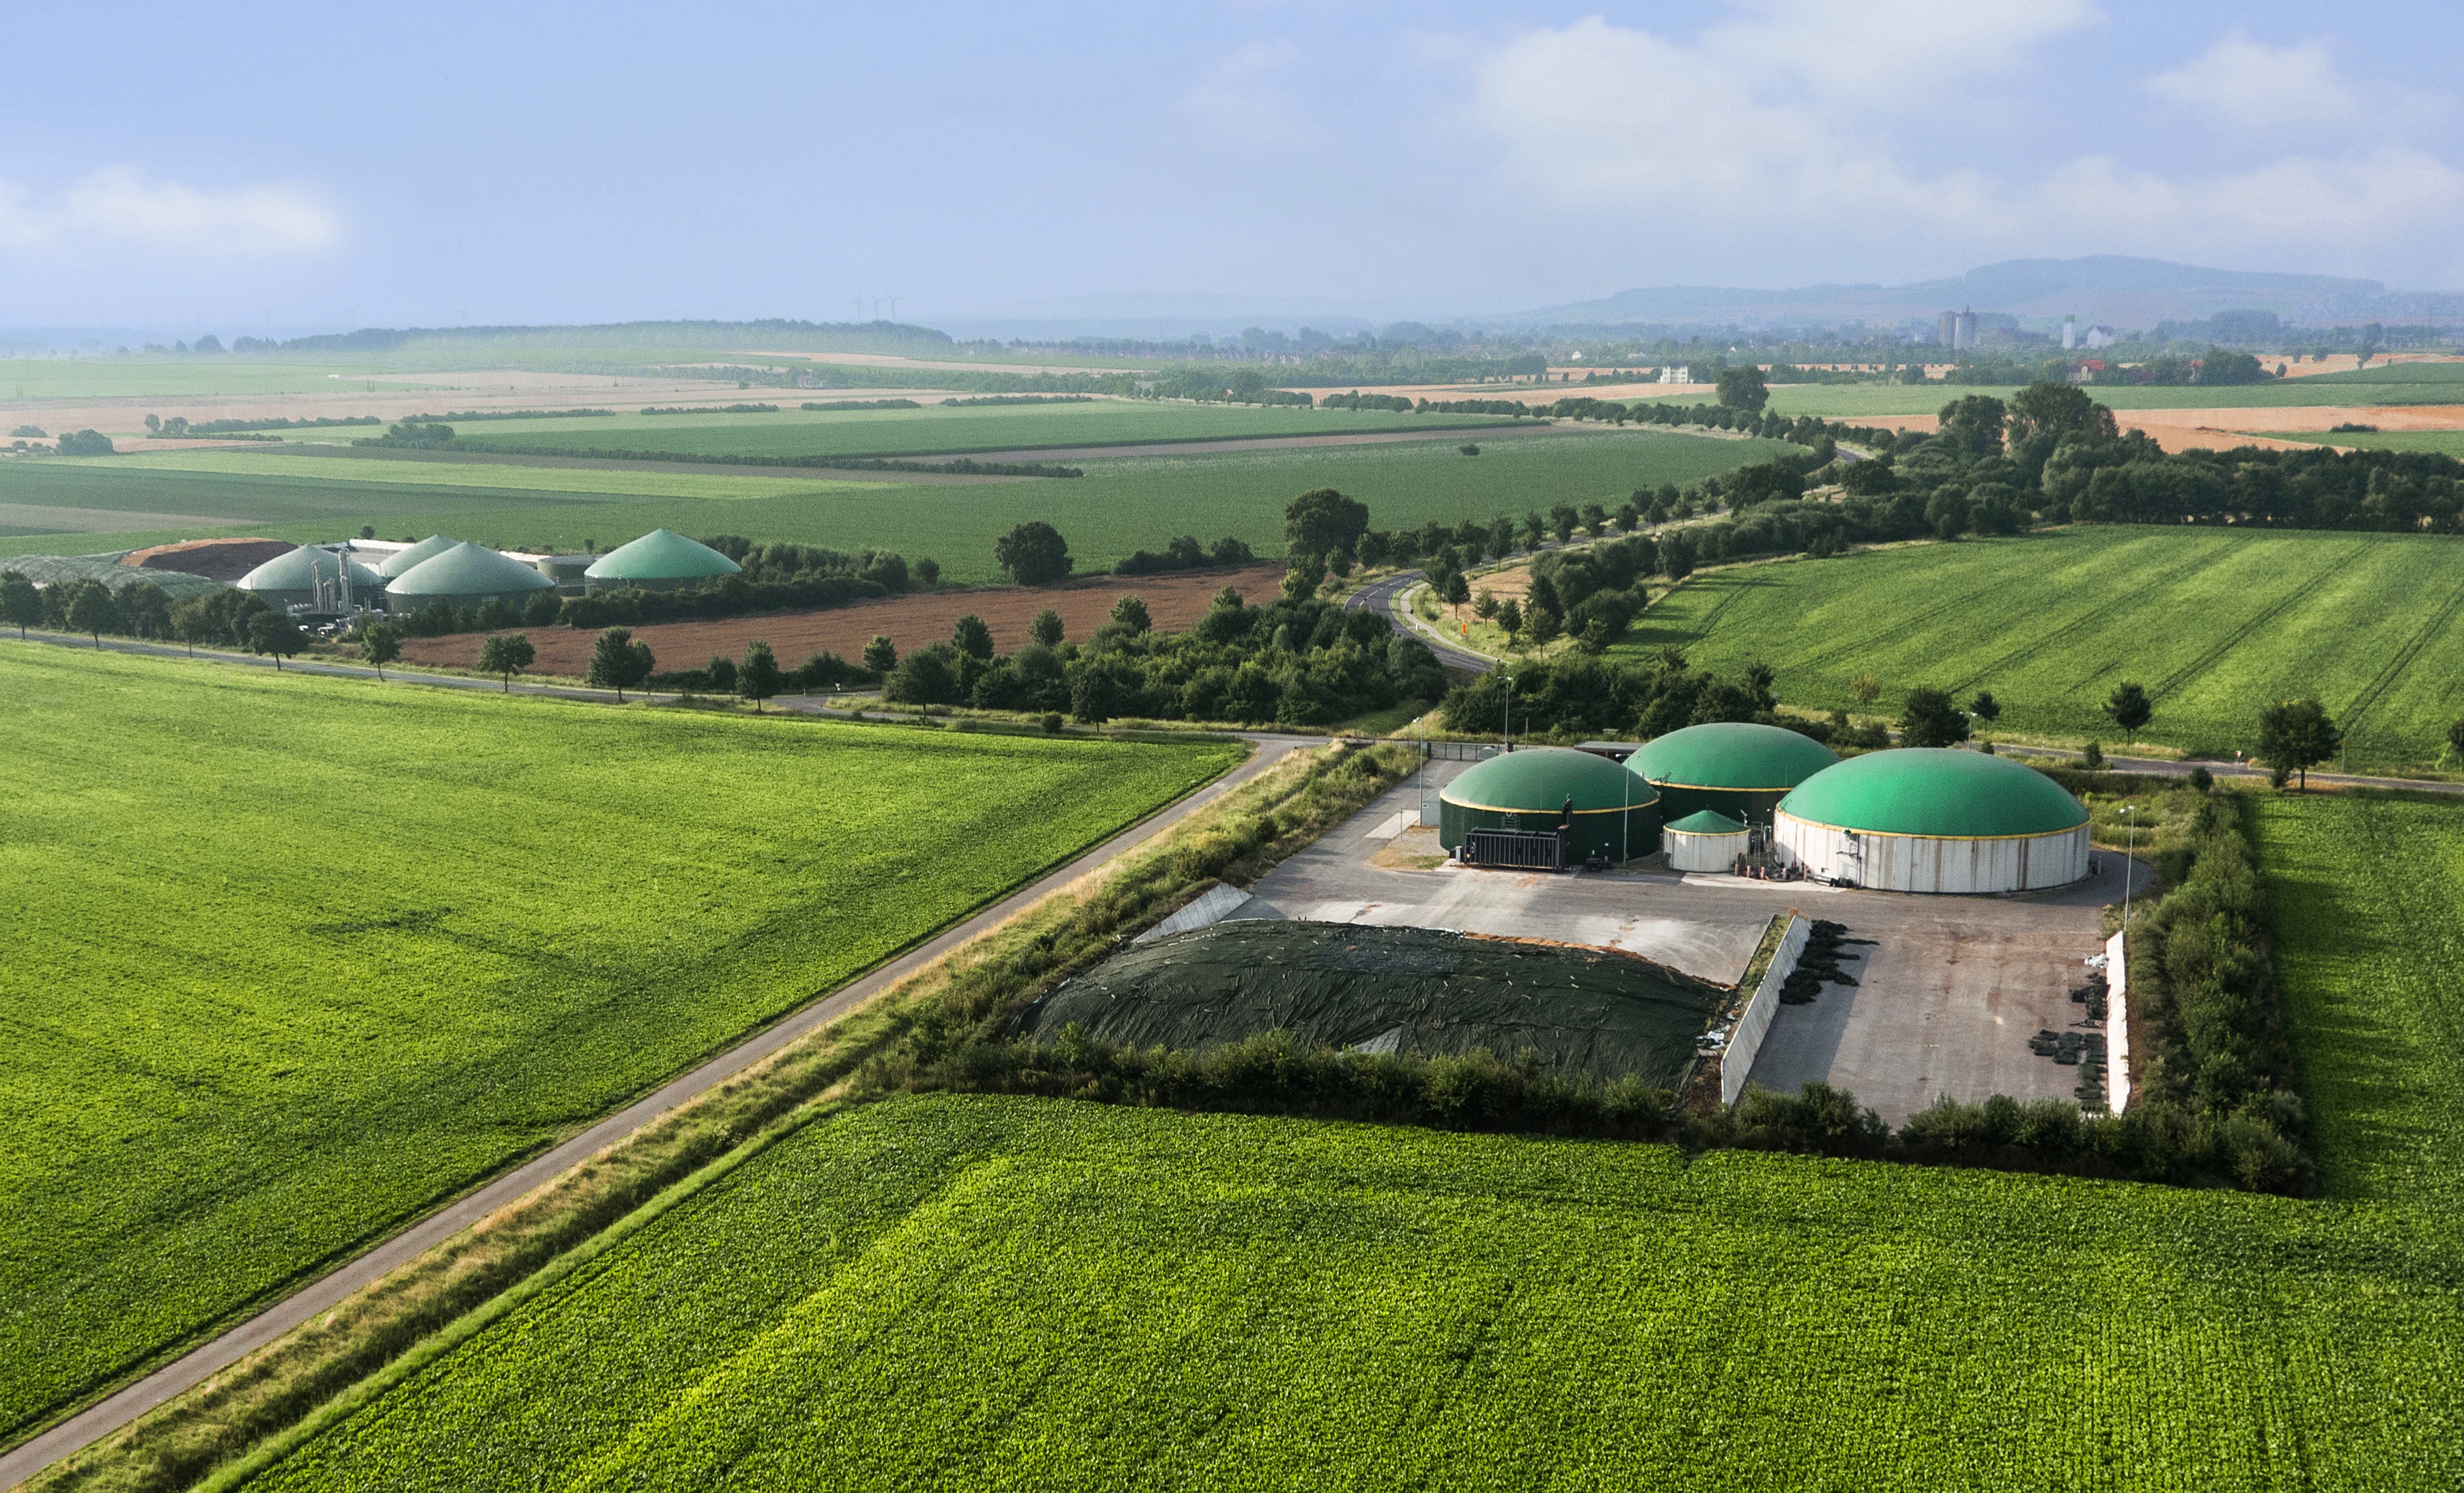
(1851, 402)
(1122, 504)
(2438, 443)
(2213, 623)
(288, 959)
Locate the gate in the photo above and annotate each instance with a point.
(1516, 850)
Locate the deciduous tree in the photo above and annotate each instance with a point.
(618, 662)
(2130, 709)
(2293, 735)
(1046, 628)
(973, 637)
(759, 678)
(507, 654)
(1927, 718)
(1034, 554)
(272, 632)
(379, 644)
(20, 603)
(881, 655)
(91, 609)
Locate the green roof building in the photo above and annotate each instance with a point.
(659, 560)
(312, 577)
(466, 575)
(1615, 813)
(1929, 819)
(429, 548)
(1737, 768)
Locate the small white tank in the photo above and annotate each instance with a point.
(1704, 841)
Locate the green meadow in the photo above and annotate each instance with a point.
(289, 960)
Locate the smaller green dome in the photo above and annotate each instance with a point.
(1935, 793)
(1540, 780)
(1735, 754)
(468, 569)
(662, 555)
(1706, 822)
(306, 568)
(429, 548)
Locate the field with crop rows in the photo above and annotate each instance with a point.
(2441, 442)
(2214, 624)
(138, 378)
(288, 959)
(935, 429)
(1851, 401)
(1123, 503)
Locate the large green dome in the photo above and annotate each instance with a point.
(306, 568)
(1539, 780)
(429, 548)
(1732, 754)
(662, 555)
(466, 569)
(1936, 793)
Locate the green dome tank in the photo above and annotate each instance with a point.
(1736, 768)
(660, 558)
(1937, 793)
(1616, 814)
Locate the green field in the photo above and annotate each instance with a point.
(2214, 623)
(1035, 1294)
(2440, 443)
(1123, 503)
(935, 429)
(142, 378)
(289, 958)
(1851, 402)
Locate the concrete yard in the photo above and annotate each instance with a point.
(1949, 993)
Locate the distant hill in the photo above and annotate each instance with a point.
(774, 335)
(2100, 288)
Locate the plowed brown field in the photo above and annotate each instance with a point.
(911, 621)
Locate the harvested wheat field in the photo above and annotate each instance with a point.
(911, 621)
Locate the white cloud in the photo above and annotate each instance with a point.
(2250, 82)
(1727, 134)
(121, 208)
(1242, 97)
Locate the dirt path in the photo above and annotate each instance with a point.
(1174, 602)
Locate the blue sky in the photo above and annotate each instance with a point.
(253, 166)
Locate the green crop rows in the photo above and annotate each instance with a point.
(2441, 442)
(2215, 624)
(1015, 1293)
(287, 958)
(1123, 503)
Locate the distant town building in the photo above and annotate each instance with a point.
(2070, 333)
(1957, 329)
(1677, 373)
(2102, 337)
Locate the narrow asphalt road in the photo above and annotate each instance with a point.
(1385, 598)
(109, 1414)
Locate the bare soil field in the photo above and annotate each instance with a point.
(2221, 429)
(911, 621)
(216, 559)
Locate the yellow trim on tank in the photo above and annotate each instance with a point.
(1902, 834)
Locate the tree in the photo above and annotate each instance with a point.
(273, 632)
(1322, 521)
(1458, 590)
(1743, 388)
(758, 678)
(973, 638)
(2092, 758)
(146, 611)
(2454, 732)
(1131, 612)
(91, 609)
(1972, 427)
(2130, 709)
(928, 572)
(1510, 615)
(1300, 581)
(84, 443)
(20, 601)
(506, 654)
(1047, 629)
(2292, 735)
(618, 662)
(1927, 718)
(1034, 554)
(379, 644)
(1865, 690)
(1562, 519)
(880, 655)
(2056, 411)
(1985, 709)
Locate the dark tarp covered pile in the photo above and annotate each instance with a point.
(1388, 990)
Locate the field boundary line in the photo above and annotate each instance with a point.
(2402, 659)
(2232, 639)
(452, 1214)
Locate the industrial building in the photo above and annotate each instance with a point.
(1929, 819)
(661, 560)
(1546, 808)
(1704, 841)
(1736, 769)
(318, 579)
(465, 575)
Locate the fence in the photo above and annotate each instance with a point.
(1517, 849)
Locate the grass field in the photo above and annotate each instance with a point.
(2442, 442)
(1032, 1294)
(1120, 505)
(2214, 623)
(1851, 401)
(289, 958)
(139, 378)
(937, 430)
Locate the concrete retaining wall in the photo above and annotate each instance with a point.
(1737, 1059)
(1213, 908)
(2116, 1026)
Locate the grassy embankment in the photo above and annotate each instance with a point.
(292, 959)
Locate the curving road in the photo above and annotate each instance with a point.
(1386, 599)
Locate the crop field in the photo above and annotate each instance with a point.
(2214, 623)
(138, 378)
(2441, 442)
(1851, 402)
(1123, 503)
(287, 959)
(935, 429)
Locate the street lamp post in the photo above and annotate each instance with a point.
(1510, 713)
(2129, 862)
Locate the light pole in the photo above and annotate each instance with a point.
(1510, 713)
(2130, 843)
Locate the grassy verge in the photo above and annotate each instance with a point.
(278, 1388)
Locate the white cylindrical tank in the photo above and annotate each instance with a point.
(1704, 841)
(1931, 820)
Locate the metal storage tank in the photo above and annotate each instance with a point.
(1704, 841)
(402, 560)
(1929, 819)
(659, 560)
(1616, 814)
(1734, 768)
(466, 575)
(312, 577)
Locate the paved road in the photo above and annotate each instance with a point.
(1386, 599)
(2166, 767)
(108, 1416)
